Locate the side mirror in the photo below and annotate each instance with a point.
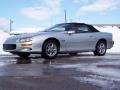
(71, 32)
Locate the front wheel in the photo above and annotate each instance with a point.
(50, 49)
(100, 48)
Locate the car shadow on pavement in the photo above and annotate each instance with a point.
(37, 59)
(29, 60)
(20, 60)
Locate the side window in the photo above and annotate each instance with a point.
(78, 28)
(82, 29)
(71, 28)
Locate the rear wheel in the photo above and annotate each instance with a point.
(50, 49)
(100, 48)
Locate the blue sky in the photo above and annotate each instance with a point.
(44, 13)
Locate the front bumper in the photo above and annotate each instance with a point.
(26, 47)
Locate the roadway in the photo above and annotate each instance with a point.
(81, 72)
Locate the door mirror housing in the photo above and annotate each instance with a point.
(71, 32)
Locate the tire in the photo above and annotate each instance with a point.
(73, 54)
(24, 55)
(50, 49)
(100, 48)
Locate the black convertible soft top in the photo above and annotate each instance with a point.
(80, 24)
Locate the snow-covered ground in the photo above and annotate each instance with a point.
(3, 37)
(26, 30)
(116, 37)
(114, 30)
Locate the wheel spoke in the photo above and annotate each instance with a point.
(51, 49)
(101, 48)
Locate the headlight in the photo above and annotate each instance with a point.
(22, 40)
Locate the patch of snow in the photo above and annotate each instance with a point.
(94, 81)
(26, 30)
(100, 76)
(106, 84)
(3, 37)
(116, 36)
(2, 64)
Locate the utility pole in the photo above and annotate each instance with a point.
(65, 16)
(71, 20)
(11, 22)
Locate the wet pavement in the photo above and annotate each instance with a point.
(81, 72)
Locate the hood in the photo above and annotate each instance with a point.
(13, 39)
(29, 35)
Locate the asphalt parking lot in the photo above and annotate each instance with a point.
(81, 72)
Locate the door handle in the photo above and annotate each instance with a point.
(90, 36)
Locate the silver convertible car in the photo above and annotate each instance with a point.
(62, 38)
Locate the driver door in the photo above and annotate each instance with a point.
(81, 40)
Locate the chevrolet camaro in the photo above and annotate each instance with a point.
(70, 38)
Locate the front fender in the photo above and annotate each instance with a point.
(37, 43)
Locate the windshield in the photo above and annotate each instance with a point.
(57, 28)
